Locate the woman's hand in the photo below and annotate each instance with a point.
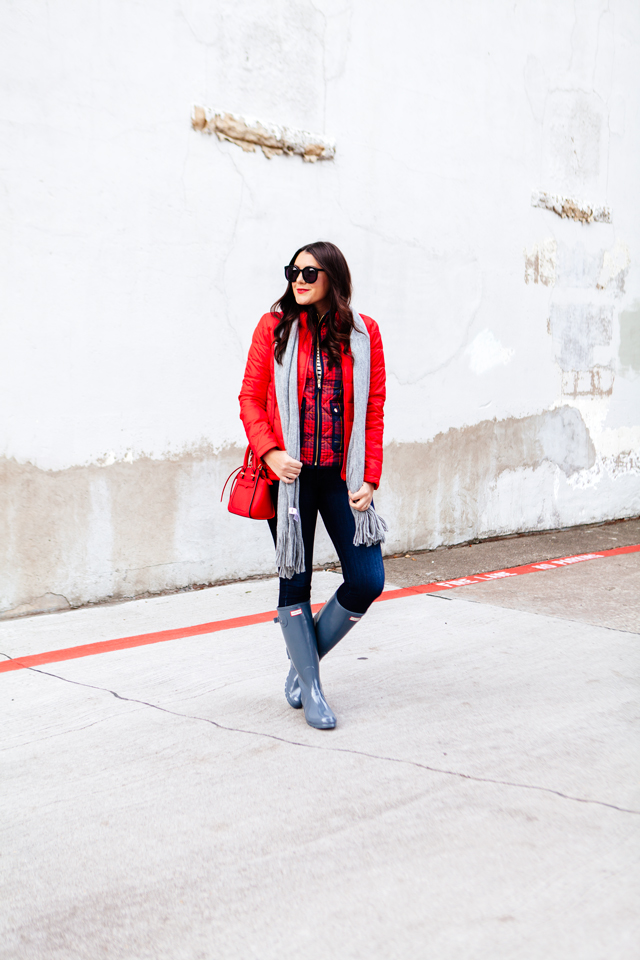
(284, 466)
(362, 499)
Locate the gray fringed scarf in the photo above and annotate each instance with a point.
(370, 528)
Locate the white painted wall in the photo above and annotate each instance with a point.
(138, 254)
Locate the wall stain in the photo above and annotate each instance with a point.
(62, 539)
(577, 329)
(596, 382)
(447, 482)
(92, 533)
(540, 263)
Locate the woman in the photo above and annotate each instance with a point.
(312, 403)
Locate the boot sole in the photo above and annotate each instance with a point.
(323, 726)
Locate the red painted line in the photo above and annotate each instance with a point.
(141, 640)
(502, 574)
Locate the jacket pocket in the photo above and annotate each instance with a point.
(337, 417)
(303, 408)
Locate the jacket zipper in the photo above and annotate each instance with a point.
(319, 375)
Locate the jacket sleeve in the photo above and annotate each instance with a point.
(255, 386)
(374, 429)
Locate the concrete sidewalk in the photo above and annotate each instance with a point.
(479, 798)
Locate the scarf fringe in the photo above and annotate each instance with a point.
(290, 551)
(370, 528)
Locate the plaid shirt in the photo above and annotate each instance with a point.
(322, 413)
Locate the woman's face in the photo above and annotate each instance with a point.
(311, 293)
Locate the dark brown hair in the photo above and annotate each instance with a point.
(340, 320)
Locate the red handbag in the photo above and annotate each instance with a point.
(250, 495)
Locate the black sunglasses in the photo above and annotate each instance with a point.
(309, 274)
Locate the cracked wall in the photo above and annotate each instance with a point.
(138, 255)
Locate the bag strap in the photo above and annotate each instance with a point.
(237, 470)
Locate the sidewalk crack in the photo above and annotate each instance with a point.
(349, 750)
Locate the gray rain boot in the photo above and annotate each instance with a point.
(300, 639)
(332, 623)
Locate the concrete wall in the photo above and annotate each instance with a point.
(138, 254)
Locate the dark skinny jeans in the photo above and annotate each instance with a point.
(322, 489)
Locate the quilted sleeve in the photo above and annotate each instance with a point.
(255, 388)
(375, 411)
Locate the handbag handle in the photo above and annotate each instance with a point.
(237, 469)
(249, 458)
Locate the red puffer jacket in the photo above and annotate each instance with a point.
(259, 408)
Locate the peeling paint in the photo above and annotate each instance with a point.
(578, 268)
(619, 442)
(273, 139)
(596, 382)
(540, 263)
(623, 464)
(571, 209)
(615, 264)
(577, 329)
